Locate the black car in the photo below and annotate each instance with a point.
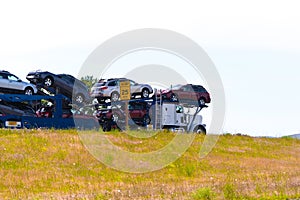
(61, 83)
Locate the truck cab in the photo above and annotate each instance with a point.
(178, 117)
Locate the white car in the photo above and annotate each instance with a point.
(10, 83)
(110, 89)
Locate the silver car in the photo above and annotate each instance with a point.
(110, 89)
(10, 83)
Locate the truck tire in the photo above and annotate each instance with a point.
(200, 130)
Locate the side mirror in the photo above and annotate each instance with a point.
(19, 80)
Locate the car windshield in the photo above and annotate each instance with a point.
(12, 77)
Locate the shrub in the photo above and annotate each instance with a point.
(204, 194)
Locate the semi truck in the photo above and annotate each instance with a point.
(182, 118)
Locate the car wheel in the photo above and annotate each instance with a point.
(201, 102)
(107, 126)
(174, 97)
(146, 120)
(116, 117)
(200, 130)
(48, 81)
(28, 91)
(145, 93)
(79, 98)
(115, 96)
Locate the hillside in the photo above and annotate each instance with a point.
(295, 136)
(51, 164)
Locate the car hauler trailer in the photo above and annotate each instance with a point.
(56, 121)
(183, 117)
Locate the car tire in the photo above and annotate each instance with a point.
(28, 91)
(115, 96)
(201, 102)
(145, 93)
(79, 98)
(200, 130)
(116, 117)
(48, 81)
(146, 120)
(107, 126)
(174, 97)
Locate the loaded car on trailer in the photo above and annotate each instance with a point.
(56, 118)
(110, 89)
(115, 115)
(184, 93)
(64, 84)
(11, 84)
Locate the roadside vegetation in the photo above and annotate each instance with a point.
(54, 164)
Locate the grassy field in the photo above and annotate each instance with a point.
(52, 164)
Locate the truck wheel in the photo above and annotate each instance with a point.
(200, 130)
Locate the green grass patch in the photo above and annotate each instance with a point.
(54, 164)
(204, 194)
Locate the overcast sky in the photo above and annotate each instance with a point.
(255, 46)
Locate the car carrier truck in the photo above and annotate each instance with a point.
(183, 118)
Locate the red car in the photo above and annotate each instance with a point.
(138, 113)
(187, 92)
(47, 112)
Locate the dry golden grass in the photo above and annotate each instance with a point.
(52, 164)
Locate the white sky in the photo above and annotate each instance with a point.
(255, 45)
